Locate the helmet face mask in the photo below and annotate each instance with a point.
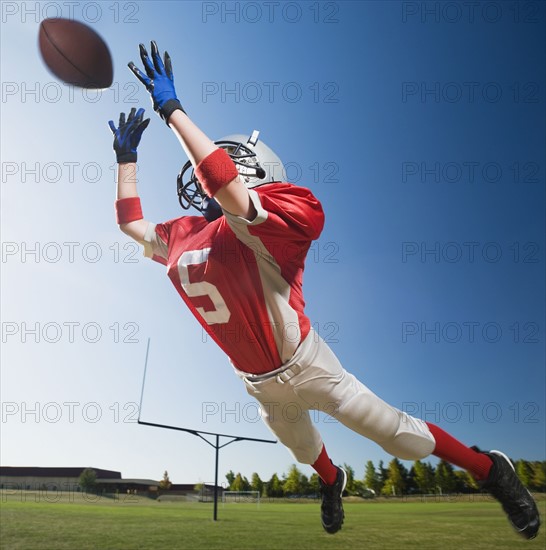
(256, 163)
(190, 193)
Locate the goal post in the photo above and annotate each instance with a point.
(250, 497)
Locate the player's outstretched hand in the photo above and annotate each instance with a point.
(127, 135)
(158, 80)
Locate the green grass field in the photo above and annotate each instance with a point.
(464, 523)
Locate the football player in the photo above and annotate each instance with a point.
(238, 266)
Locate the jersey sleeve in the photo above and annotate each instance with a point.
(284, 212)
(156, 241)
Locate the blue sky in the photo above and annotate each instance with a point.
(422, 133)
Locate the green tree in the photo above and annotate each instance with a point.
(314, 484)
(383, 475)
(411, 485)
(395, 484)
(524, 472)
(274, 487)
(256, 484)
(165, 483)
(240, 483)
(444, 477)
(88, 480)
(230, 476)
(464, 482)
(371, 478)
(292, 482)
(423, 476)
(538, 480)
(305, 486)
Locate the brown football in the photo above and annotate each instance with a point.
(75, 53)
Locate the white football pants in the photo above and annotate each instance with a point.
(315, 380)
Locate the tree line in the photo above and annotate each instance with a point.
(393, 480)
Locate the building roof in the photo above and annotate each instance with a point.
(35, 471)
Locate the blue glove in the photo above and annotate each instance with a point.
(158, 81)
(127, 135)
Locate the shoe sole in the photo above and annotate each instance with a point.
(517, 529)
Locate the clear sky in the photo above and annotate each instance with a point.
(421, 128)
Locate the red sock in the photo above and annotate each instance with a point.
(450, 449)
(324, 467)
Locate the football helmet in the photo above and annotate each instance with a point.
(256, 162)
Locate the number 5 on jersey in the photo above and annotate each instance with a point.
(221, 313)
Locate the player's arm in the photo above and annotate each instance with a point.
(233, 196)
(126, 139)
(127, 189)
(225, 184)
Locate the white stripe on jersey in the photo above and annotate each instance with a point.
(283, 318)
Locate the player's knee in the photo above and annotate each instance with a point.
(304, 455)
(300, 438)
(409, 447)
(412, 441)
(304, 448)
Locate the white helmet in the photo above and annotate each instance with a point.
(256, 162)
(249, 164)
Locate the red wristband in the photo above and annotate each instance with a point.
(216, 171)
(128, 210)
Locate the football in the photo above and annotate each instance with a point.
(75, 53)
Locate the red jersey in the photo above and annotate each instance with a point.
(243, 279)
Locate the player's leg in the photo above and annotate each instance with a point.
(288, 418)
(325, 384)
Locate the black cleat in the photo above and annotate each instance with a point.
(516, 501)
(331, 509)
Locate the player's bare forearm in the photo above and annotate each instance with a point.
(127, 187)
(193, 140)
(127, 180)
(234, 196)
